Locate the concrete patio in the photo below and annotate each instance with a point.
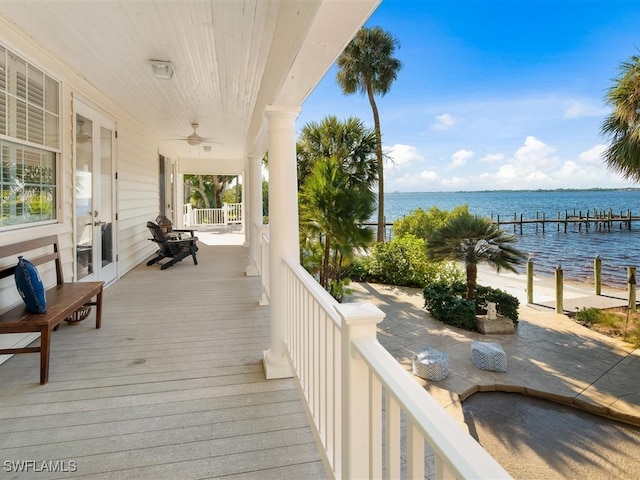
(549, 356)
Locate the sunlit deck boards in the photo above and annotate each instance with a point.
(171, 387)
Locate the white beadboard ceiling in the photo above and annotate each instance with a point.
(232, 58)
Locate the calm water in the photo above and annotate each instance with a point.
(574, 250)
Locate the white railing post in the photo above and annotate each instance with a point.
(188, 213)
(225, 214)
(358, 320)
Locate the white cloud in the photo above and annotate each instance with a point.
(429, 175)
(532, 164)
(535, 154)
(446, 121)
(577, 109)
(401, 155)
(492, 158)
(593, 156)
(459, 159)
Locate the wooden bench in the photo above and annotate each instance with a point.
(63, 299)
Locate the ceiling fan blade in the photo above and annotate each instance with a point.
(194, 139)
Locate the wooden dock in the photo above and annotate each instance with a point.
(601, 221)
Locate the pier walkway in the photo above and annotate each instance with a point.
(596, 220)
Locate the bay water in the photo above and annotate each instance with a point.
(574, 250)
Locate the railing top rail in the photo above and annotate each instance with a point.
(445, 436)
(324, 299)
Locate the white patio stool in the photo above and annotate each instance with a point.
(488, 356)
(431, 364)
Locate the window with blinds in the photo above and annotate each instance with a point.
(29, 141)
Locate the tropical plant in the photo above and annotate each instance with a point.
(622, 126)
(421, 224)
(367, 66)
(349, 141)
(445, 301)
(474, 240)
(403, 261)
(331, 211)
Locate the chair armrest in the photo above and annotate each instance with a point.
(173, 241)
(189, 231)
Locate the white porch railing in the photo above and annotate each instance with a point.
(228, 214)
(372, 418)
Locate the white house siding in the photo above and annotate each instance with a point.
(136, 151)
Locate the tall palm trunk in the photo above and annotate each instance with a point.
(472, 279)
(376, 122)
(324, 273)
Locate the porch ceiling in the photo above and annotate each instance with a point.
(232, 58)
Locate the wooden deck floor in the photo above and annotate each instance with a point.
(171, 387)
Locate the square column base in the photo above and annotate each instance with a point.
(276, 369)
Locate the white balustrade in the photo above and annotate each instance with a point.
(229, 213)
(365, 407)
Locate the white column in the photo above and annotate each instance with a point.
(252, 210)
(283, 229)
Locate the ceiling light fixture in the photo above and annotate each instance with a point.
(162, 69)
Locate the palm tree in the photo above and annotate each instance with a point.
(349, 140)
(367, 66)
(331, 211)
(622, 126)
(474, 240)
(336, 171)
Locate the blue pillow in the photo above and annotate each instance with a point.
(30, 286)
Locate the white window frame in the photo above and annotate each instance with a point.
(30, 143)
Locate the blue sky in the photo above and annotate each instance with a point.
(494, 94)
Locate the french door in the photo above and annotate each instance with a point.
(94, 191)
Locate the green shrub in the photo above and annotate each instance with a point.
(506, 304)
(446, 302)
(399, 262)
(588, 315)
(422, 224)
(403, 261)
(338, 289)
(359, 269)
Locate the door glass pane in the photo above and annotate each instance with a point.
(106, 186)
(84, 196)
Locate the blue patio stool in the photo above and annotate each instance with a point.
(488, 356)
(431, 364)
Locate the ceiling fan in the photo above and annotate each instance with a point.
(194, 138)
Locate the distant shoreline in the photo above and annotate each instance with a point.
(527, 190)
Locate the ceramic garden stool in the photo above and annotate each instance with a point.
(431, 364)
(488, 356)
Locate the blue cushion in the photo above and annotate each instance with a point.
(30, 286)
